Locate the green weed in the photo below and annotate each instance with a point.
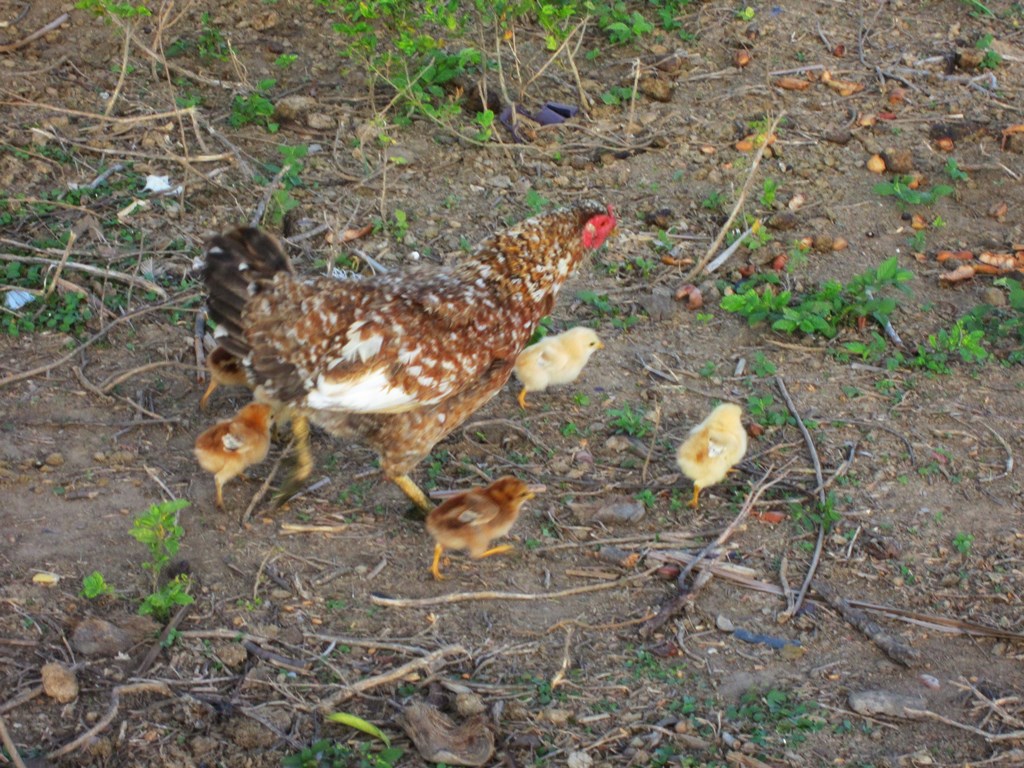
(628, 421)
(94, 585)
(255, 107)
(158, 529)
(775, 719)
(899, 188)
(824, 311)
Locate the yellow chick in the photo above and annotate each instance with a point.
(555, 360)
(229, 447)
(473, 519)
(225, 369)
(713, 447)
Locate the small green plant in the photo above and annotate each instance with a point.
(158, 529)
(747, 13)
(485, 122)
(254, 107)
(326, 753)
(762, 366)
(935, 355)
(899, 188)
(775, 718)
(952, 169)
(916, 242)
(399, 224)
(645, 497)
(94, 585)
(992, 59)
(628, 421)
(962, 543)
(285, 60)
(535, 201)
(824, 311)
(211, 43)
(1002, 327)
(713, 202)
(123, 11)
(768, 192)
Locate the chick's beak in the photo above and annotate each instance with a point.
(600, 345)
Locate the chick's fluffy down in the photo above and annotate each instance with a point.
(714, 446)
(556, 359)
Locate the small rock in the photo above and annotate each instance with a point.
(880, 702)
(618, 444)
(898, 160)
(557, 717)
(264, 21)
(615, 509)
(96, 637)
(783, 221)
(579, 760)
(724, 624)
(59, 682)
(55, 459)
(500, 181)
(294, 108)
(318, 121)
(655, 88)
(663, 218)
(659, 307)
(469, 704)
(232, 655)
(994, 297)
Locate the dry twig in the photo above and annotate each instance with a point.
(8, 743)
(86, 738)
(12, 47)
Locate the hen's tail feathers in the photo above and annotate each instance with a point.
(238, 263)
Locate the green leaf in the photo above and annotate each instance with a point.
(353, 721)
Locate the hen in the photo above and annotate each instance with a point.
(400, 359)
(473, 519)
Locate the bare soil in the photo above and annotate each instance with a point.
(917, 462)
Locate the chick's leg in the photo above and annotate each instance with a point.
(497, 551)
(206, 395)
(522, 398)
(696, 493)
(435, 569)
(219, 482)
(410, 489)
(303, 467)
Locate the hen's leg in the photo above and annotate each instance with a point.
(303, 461)
(522, 398)
(497, 550)
(410, 489)
(435, 569)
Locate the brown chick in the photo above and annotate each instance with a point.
(471, 520)
(229, 447)
(713, 447)
(225, 370)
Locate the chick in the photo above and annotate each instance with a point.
(555, 360)
(225, 369)
(229, 447)
(713, 447)
(471, 520)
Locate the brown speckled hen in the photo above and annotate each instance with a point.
(400, 359)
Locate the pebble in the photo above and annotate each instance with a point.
(232, 655)
(469, 704)
(96, 637)
(59, 682)
(55, 459)
(994, 297)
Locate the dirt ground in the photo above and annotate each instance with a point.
(303, 606)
